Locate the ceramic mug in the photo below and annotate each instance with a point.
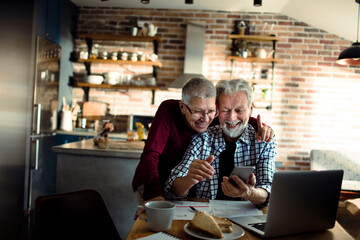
(159, 215)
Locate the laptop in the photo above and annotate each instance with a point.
(300, 202)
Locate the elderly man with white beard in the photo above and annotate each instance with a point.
(212, 155)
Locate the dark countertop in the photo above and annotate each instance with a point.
(89, 132)
(87, 147)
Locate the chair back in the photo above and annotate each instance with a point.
(74, 215)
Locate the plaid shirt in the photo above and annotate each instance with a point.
(248, 152)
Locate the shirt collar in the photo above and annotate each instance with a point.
(244, 137)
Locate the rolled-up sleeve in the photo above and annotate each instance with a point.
(266, 166)
(181, 170)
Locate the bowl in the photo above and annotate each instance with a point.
(112, 78)
(95, 79)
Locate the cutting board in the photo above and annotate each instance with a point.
(125, 145)
(91, 109)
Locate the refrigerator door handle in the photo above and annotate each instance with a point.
(38, 118)
(35, 154)
(37, 146)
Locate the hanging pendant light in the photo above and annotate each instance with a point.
(351, 55)
(257, 3)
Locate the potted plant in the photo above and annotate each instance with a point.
(242, 27)
(243, 49)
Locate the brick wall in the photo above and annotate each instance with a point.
(316, 102)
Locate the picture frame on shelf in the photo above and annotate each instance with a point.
(264, 74)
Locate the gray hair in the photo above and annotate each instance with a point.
(234, 86)
(197, 87)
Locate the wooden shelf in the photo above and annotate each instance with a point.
(259, 81)
(90, 38)
(263, 105)
(253, 59)
(258, 38)
(48, 60)
(122, 62)
(55, 83)
(259, 102)
(109, 86)
(107, 37)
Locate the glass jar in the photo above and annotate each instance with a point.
(114, 56)
(124, 56)
(134, 57)
(104, 55)
(94, 51)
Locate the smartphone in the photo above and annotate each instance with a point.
(243, 172)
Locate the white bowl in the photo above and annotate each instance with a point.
(95, 79)
(112, 78)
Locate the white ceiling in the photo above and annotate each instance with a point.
(334, 16)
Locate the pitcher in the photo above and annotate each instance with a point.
(152, 30)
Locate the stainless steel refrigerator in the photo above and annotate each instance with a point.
(40, 175)
(18, 47)
(16, 85)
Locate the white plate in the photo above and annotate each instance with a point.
(237, 232)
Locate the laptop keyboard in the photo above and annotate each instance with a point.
(260, 226)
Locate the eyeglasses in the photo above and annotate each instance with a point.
(198, 114)
(238, 111)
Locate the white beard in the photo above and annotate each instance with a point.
(234, 132)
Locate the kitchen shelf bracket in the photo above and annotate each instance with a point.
(89, 44)
(272, 60)
(86, 93)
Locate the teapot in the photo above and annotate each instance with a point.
(152, 30)
(261, 53)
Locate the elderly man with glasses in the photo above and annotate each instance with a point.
(211, 155)
(174, 125)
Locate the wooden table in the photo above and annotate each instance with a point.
(336, 233)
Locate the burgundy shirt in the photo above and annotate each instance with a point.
(168, 139)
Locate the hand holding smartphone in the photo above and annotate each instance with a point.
(243, 172)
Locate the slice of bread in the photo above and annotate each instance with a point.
(206, 223)
(222, 222)
(226, 229)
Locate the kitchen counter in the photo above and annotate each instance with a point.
(91, 132)
(82, 165)
(87, 147)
